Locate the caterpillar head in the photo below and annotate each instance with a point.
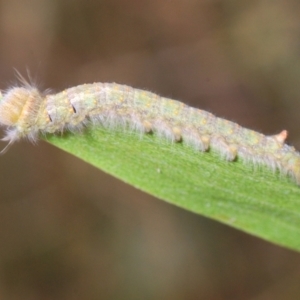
(16, 105)
(12, 104)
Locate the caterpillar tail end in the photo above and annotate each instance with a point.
(294, 169)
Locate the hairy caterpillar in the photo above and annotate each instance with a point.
(27, 113)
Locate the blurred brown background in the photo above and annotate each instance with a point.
(69, 231)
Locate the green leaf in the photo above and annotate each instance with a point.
(247, 197)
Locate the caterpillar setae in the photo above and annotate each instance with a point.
(27, 113)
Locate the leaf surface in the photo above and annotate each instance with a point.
(250, 198)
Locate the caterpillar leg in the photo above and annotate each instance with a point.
(177, 134)
(229, 152)
(147, 127)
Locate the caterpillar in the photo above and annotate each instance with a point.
(28, 113)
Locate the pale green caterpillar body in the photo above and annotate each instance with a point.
(28, 113)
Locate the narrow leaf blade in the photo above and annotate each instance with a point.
(246, 197)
